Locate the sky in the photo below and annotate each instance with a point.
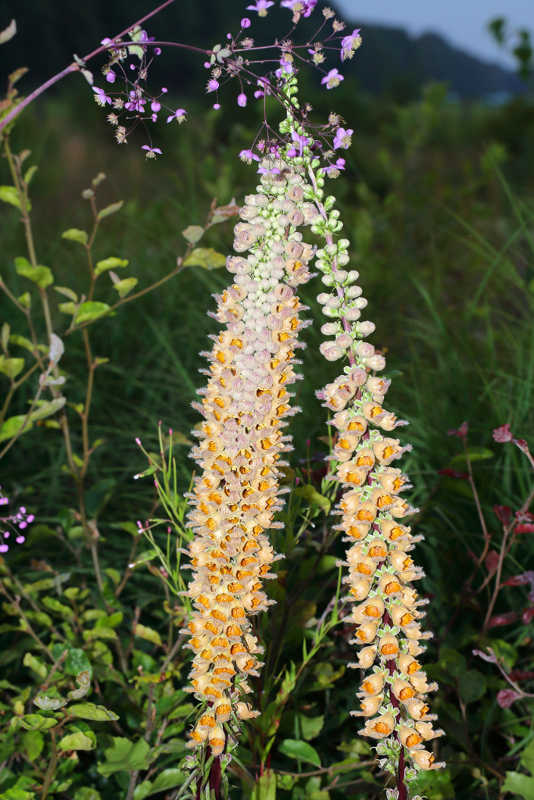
(462, 22)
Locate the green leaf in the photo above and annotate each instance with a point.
(302, 751)
(471, 685)
(12, 426)
(519, 785)
(147, 633)
(46, 408)
(76, 741)
(89, 311)
(92, 711)
(193, 233)
(11, 366)
(527, 757)
(451, 661)
(25, 299)
(48, 703)
(28, 175)
(10, 195)
(86, 793)
(125, 755)
(314, 498)
(474, 453)
(310, 726)
(17, 794)
(75, 235)
(21, 341)
(506, 653)
(35, 664)
(40, 275)
(77, 662)
(125, 286)
(110, 263)
(36, 722)
(167, 779)
(32, 744)
(205, 257)
(265, 788)
(67, 308)
(111, 209)
(66, 292)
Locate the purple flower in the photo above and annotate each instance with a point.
(248, 156)
(212, 85)
(151, 152)
(101, 97)
(245, 22)
(242, 99)
(110, 76)
(342, 138)
(155, 106)
(265, 87)
(178, 115)
(304, 7)
(333, 170)
(261, 7)
(301, 141)
(15, 523)
(333, 79)
(285, 67)
(350, 43)
(267, 171)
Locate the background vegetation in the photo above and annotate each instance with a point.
(438, 202)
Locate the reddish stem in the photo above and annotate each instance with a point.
(215, 778)
(74, 67)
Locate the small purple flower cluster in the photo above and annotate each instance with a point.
(133, 103)
(13, 524)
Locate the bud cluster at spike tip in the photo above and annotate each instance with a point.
(387, 610)
(245, 406)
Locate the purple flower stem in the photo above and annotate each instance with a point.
(75, 68)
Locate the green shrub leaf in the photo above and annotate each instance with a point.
(92, 711)
(40, 275)
(76, 741)
(89, 311)
(110, 263)
(300, 750)
(125, 755)
(205, 257)
(75, 235)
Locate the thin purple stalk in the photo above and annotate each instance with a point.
(76, 68)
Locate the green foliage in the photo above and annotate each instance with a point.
(92, 660)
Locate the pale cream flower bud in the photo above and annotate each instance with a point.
(366, 657)
(217, 740)
(370, 704)
(379, 727)
(366, 632)
(373, 684)
(388, 646)
(408, 736)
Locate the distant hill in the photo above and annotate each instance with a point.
(390, 60)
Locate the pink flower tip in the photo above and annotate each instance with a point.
(503, 434)
(242, 99)
(245, 22)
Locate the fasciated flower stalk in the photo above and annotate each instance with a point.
(387, 611)
(245, 407)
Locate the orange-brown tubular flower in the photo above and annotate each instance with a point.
(373, 519)
(245, 405)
